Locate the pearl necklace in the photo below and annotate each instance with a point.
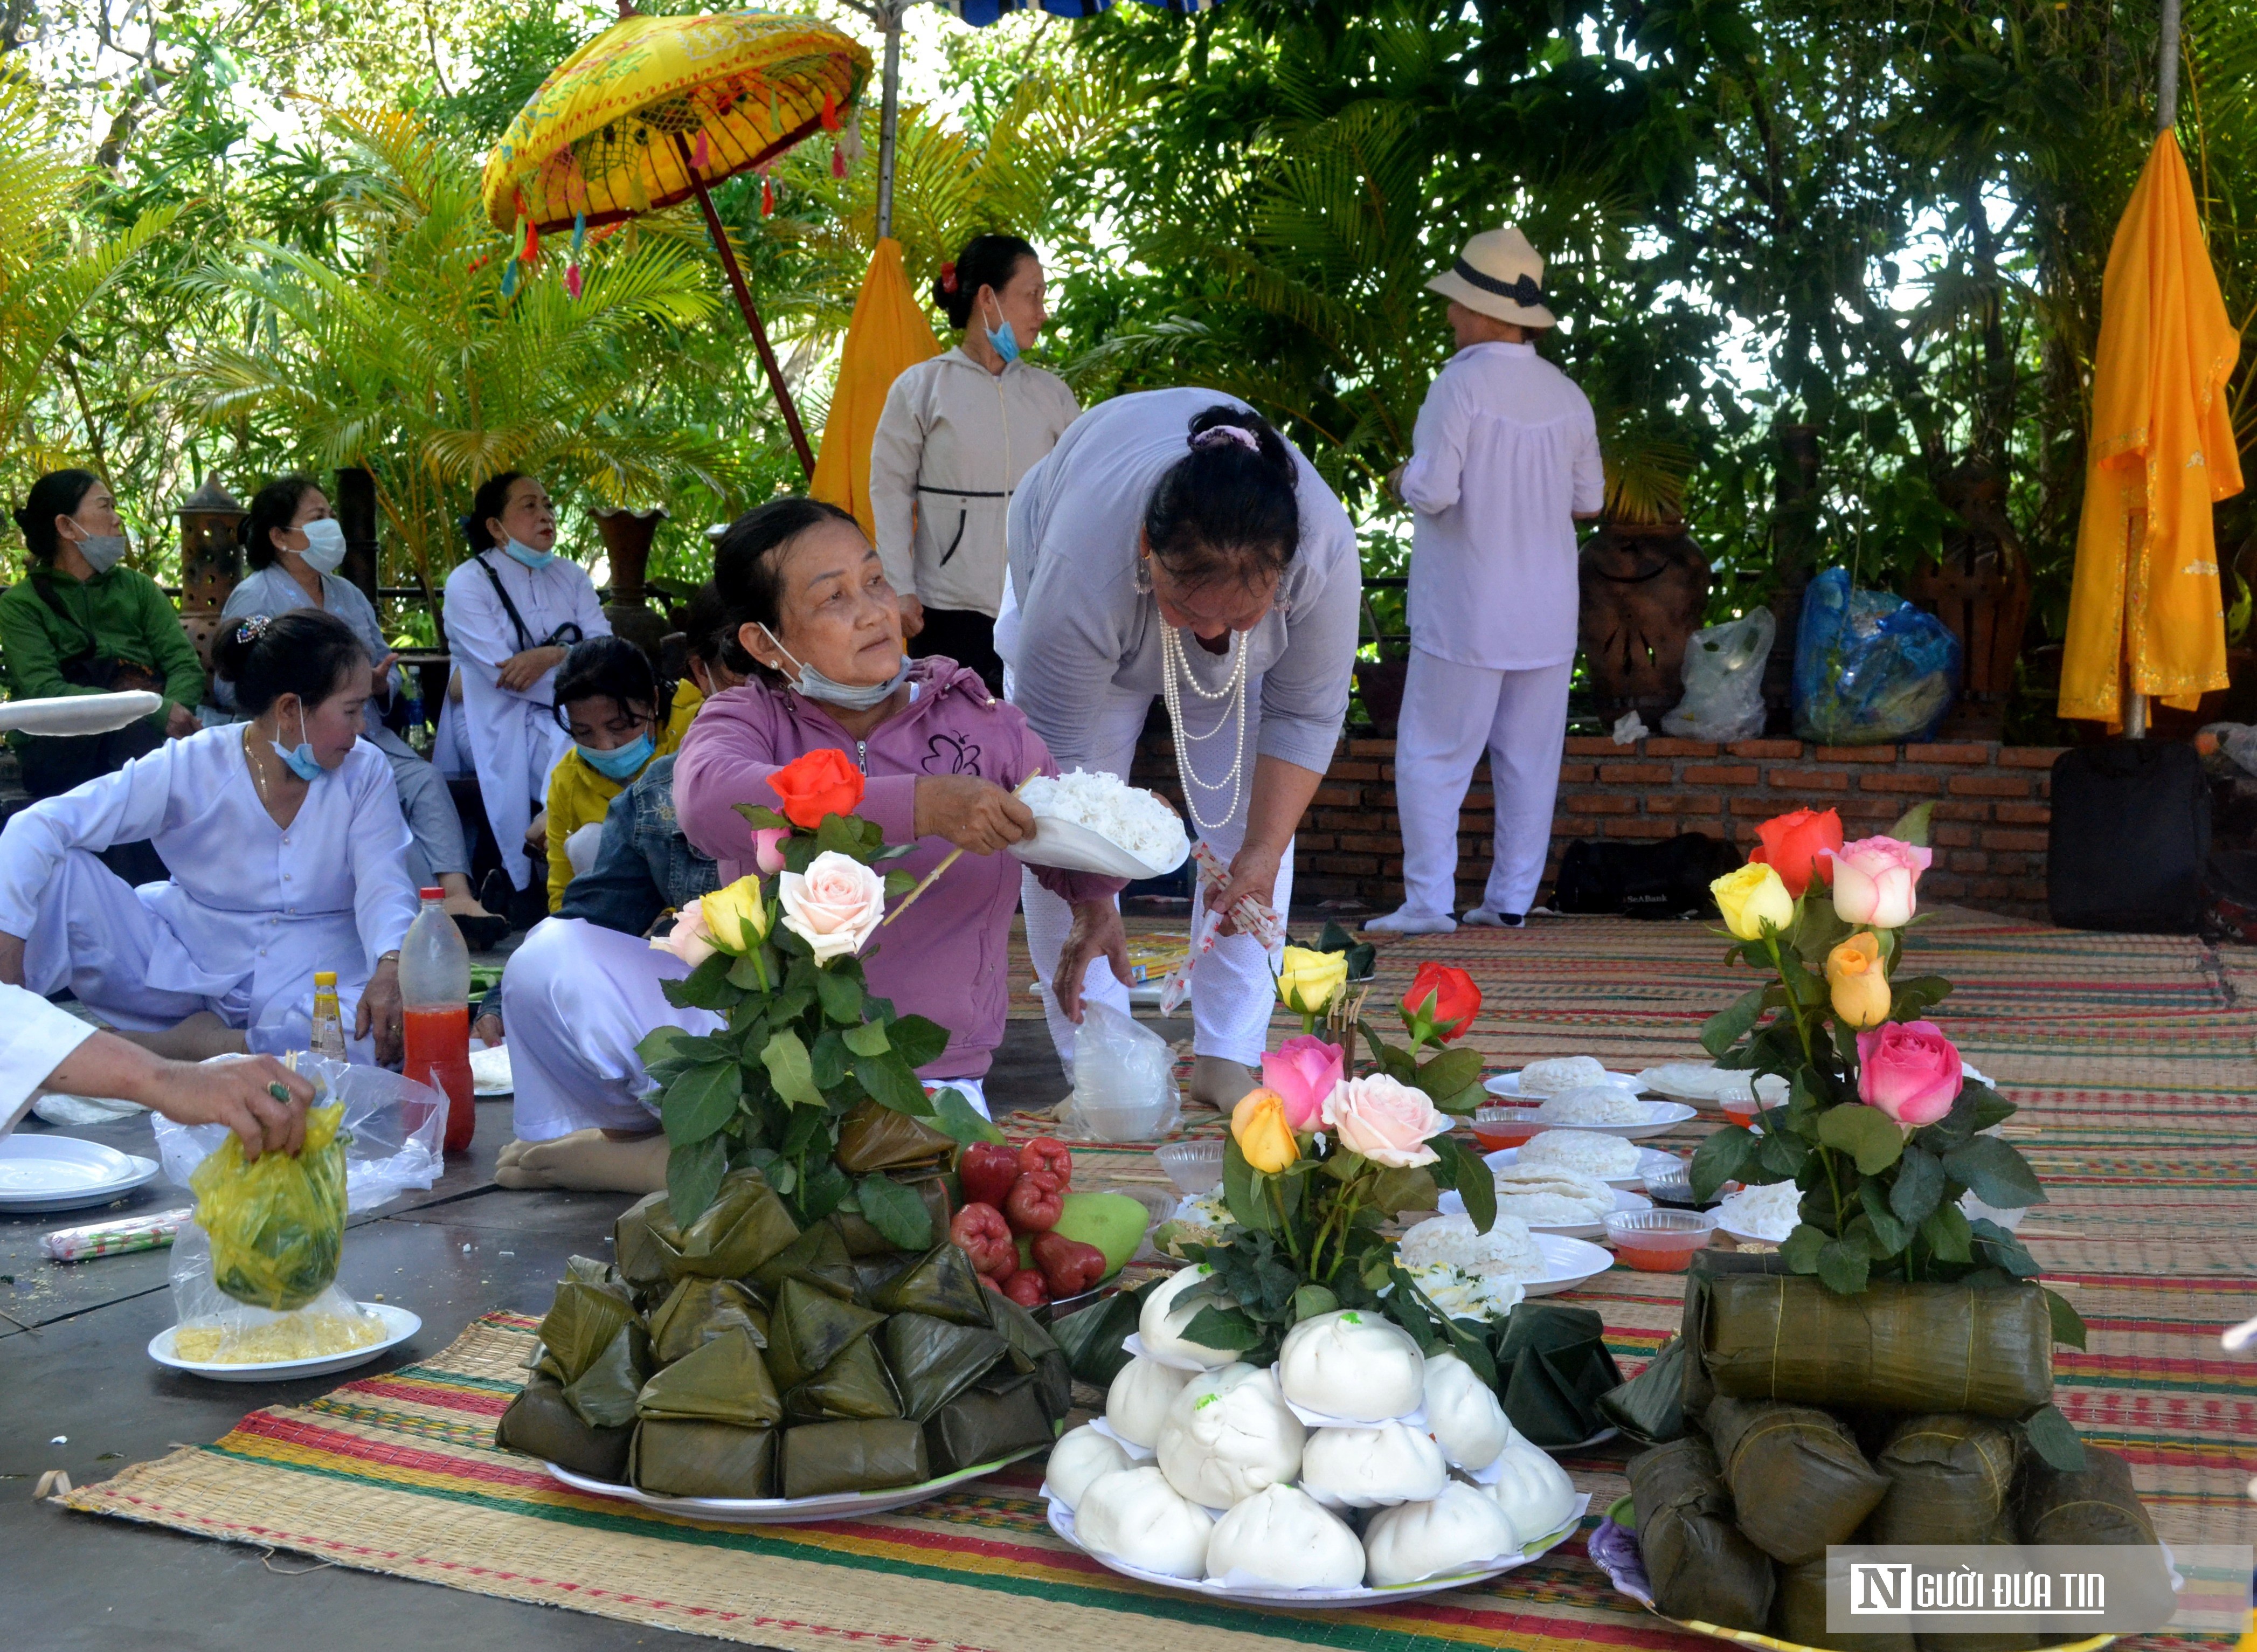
(1175, 669)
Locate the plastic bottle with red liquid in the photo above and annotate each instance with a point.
(435, 986)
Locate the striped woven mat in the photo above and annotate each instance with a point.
(2132, 1057)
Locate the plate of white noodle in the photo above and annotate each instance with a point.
(1087, 822)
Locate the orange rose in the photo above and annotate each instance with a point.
(821, 783)
(1794, 846)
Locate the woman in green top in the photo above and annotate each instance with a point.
(80, 624)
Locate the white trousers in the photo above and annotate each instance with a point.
(1450, 714)
(1234, 987)
(576, 1000)
(92, 934)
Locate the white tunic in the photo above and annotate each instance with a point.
(252, 909)
(950, 448)
(1084, 628)
(272, 591)
(1505, 456)
(514, 737)
(34, 1038)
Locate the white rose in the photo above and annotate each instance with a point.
(834, 905)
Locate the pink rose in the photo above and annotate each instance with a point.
(1305, 1071)
(1874, 879)
(689, 939)
(1385, 1120)
(834, 905)
(1909, 1069)
(768, 849)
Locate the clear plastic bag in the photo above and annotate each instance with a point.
(283, 1235)
(1124, 1081)
(1870, 669)
(1723, 680)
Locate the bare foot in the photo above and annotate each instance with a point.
(198, 1039)
(586, 1161)
(1221, 1084)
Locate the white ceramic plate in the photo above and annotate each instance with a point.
(1707, 1085)
(781, 1511)
(1453, 1204)
(399, 1325)
(1061, 1519)
(1659, 1117)
(1651, 1161)
(79, 714)
(1509, 1083)
(61, 1172)
(1077, 848)
(1569, 1263)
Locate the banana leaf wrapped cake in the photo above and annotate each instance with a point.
(1949, 1479)
(1701, 1566)
(1798, 1480)
(1798, 1614)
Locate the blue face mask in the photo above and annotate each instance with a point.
(621, 763)
(1006, 341)
(301, 758)
(518, 550)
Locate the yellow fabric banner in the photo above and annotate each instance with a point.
(2160, 451)
(888, 335)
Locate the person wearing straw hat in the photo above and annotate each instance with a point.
(1505, 461)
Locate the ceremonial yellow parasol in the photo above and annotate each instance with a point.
(656, 109)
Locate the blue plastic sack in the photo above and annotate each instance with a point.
(1870, 669)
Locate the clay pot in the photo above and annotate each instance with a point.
(1644, 591)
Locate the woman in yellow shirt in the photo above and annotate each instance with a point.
(607, 698)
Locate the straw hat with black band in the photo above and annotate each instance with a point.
(1500, 275)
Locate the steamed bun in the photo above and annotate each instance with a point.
(1228, 1434)
(1134, 1515)
(1136, 1405)
(1456, 1532)
(1281, 1538)
(1078, 1459)
(1463, 1415)
(1160, 1323)
(1533, 1492)
(1372, 1467)
(1354, 1365)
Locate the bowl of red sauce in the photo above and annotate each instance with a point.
(1496, 1127)
(1660, 1240)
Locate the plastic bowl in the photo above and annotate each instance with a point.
(1195, 1166)
(1496, 1127)
(1744, 1109)
(1658, 1241)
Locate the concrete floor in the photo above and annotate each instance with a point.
(77, 1393)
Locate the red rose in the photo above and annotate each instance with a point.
(1443, 998)
(1036, 1203)
(1796, 846)
(1049, 1156)
(821, 783)
(986, 1172)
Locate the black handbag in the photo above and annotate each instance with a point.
(2130, 837)
(1667, 879)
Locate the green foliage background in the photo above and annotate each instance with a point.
(1886, 219)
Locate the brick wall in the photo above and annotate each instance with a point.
(1991, 808)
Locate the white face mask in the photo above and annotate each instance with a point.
(812, 684)
(325, 545)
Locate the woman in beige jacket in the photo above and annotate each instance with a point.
(957, 433)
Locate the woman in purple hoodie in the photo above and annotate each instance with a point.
(818, 628)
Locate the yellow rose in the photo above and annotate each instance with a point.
(1751, 898)
(1258, 1122)
(1861, 986)
(737, 919)
(1306, 980)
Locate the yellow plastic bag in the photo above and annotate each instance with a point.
(278, 1223)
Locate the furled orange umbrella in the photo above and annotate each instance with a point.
(656, 109)
(2145, 609)
(888, 335)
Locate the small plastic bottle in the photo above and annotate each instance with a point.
(329, 1019)
(435, 990)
